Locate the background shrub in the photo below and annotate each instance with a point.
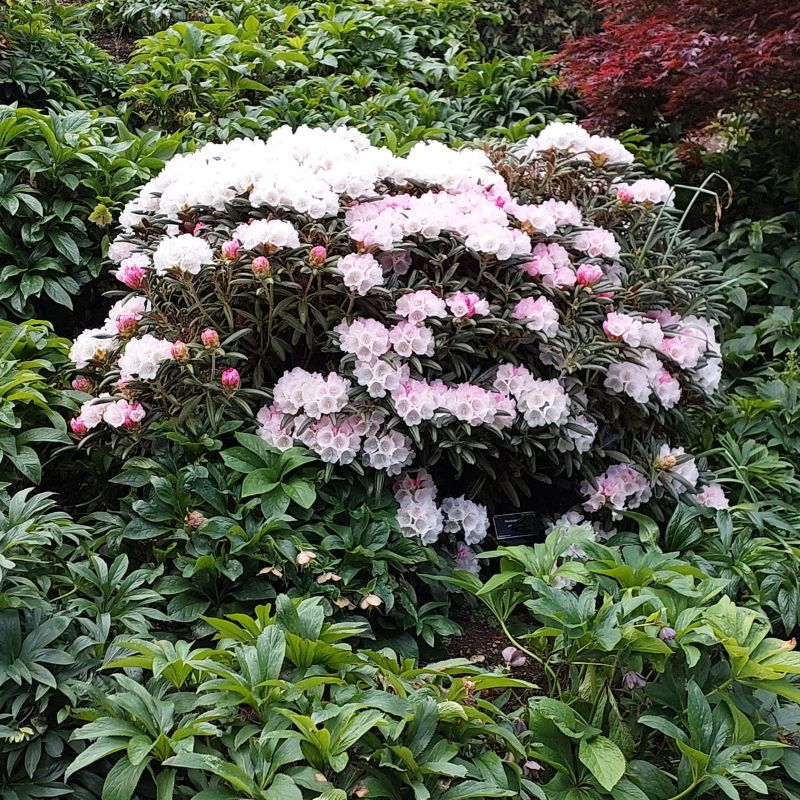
(415, 68)
(45, 58)
(31, 403)
(650, 58)
(520, 27)
(63, 176)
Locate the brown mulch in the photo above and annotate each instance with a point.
(483, 643)
(120, 47)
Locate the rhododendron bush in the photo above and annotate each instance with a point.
(473, 320)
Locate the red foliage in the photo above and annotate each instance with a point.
(684, 60)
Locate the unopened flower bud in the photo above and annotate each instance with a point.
(317, 255)
(198, 227)
(231, 380)
(210, 339)
(131, 274)
(83, 384)
(127, 325)
(230, 249)
(194, 519)
(667, 462)
(125, 390)
(78, 427)
(624, 193)
(260, 266)
(179, 351)
(666, 634)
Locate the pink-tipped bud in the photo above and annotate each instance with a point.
(179, 351)
(194, 519)
(231, 380)
(260, 266)
(127, 325)
(317, 255)
(230, 249)
(126, 391)
(78, 427)
(589, 274)
(83, 384)
(132, 275)
(624, 193)
(198, 227)
(210, 339)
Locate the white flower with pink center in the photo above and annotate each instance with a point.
(409, 339)
(417, 306)
(360, 272)
(538, 314)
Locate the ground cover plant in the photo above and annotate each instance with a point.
(294, 299)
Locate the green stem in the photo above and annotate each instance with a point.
(686, 791)
(545, 666)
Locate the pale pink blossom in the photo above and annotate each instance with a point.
(417, 306)
(589, 274)
(463, 305)
(360, 272)
(713, 496)
(409, 339)
(538, 314)
(597, 242)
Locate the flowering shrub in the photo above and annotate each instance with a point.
(650, 57)
(493, 316)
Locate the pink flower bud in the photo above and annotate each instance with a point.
(317, 255)
(132, 275)
(124, 390)
(210, 339)
(78, 427)
(589, 274)
(180, 352)
(127, 325)
(83, 384)
(624, 193)
(230, 249)
(260, 266)
(194, 519)
(231, 380)
(198, 227)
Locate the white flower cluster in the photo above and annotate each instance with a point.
(566, 137)
(419, 516)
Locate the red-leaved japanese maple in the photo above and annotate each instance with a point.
(685, 60)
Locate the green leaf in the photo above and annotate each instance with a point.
(603, 759)
(122, 780)
(65, 245)
(302, 492)
(283, 788)
(259, 482)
